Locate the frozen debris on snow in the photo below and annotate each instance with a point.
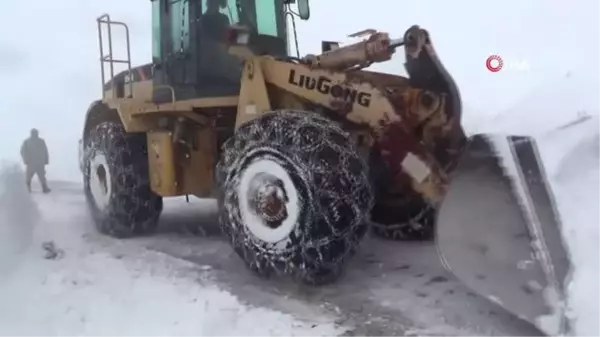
(51, 251)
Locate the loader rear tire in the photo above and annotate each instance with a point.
(398, 216)
(116, 182)
(407, 218)
(294, 195)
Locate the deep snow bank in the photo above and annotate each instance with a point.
(552, 105)
(104, 287)
(573, 165)
(18, 216)
(564, 118)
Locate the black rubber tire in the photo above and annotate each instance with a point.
(405, 217)
(133, 208)
(409, 219)
(332, 183)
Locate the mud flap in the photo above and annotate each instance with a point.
(498, 230)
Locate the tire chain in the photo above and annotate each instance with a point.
(402, 217)
(324, 160)
(135, 208)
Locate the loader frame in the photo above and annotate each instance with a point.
(184, 136)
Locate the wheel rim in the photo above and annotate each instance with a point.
(268, 200)
(100, 186)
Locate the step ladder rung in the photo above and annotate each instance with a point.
(105, 19)
(115, 61)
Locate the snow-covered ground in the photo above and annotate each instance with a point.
(576, 179)
(98, 287)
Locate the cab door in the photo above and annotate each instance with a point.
(219, 72)
(172, 55)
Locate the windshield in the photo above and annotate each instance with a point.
(262, 15)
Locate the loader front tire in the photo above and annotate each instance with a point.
(294, 195)
(116, 182)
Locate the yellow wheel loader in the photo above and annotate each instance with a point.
(306, 154)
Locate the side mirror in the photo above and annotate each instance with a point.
(303, 9)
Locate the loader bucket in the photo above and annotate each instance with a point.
(498, 230)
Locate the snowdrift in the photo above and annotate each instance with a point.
(564, 119)
(18, 216)
(571, 155)
(561, 101)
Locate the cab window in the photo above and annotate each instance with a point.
(228, 10)
(263, 14)
(180, 27)
(156, 30)
(266, 15)
(213, 24)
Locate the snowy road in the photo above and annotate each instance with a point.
(390, 289)
(101, 286)
(176, 283)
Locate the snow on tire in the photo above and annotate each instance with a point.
(294, 195)
(116, 182)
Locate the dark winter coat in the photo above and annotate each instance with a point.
(34, 152)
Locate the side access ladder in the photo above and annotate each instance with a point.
(108, 58)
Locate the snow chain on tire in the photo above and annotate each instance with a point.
(405, 217)
(408, 219)
(131, 208)
(329, 180)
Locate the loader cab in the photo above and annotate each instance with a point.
(190, 38)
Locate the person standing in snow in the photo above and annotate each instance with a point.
(35, 157)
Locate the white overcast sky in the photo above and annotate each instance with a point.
(49, 69)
